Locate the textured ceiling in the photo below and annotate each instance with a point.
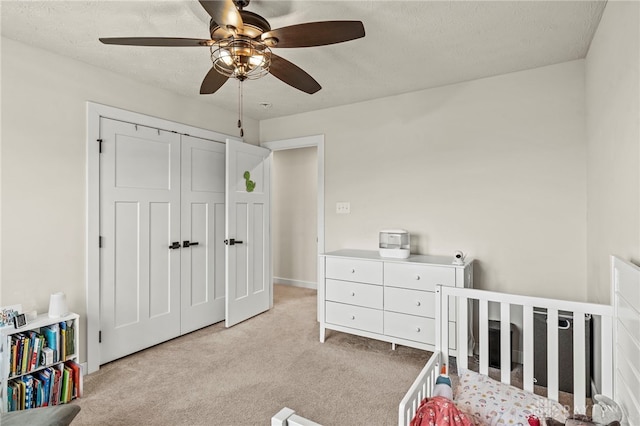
(409, 45)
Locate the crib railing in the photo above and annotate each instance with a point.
(464, 298)
(420, 389)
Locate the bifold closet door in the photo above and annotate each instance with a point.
(139, 222)
(202, 233)
(249, 288)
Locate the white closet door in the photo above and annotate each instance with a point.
(248, 267)
(202, 265)
(139, 220)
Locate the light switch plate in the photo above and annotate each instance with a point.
(343, 207)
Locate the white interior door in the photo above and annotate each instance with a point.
(248, 261)
(203, 249)
(139, 221)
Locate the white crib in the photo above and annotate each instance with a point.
(617, 330)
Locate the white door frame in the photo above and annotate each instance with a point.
(92, 255)
(305, 142)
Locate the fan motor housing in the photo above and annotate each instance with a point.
(254, 26)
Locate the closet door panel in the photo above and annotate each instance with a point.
(202, 265)
(139, 218)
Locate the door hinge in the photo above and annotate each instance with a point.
(99, 146)
(100, 241)
(100, 336)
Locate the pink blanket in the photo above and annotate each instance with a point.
(439, 411)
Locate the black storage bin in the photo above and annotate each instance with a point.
(565, 350)
(494, 343)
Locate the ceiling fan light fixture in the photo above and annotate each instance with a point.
(241, 58)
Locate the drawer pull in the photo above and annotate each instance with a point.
(353, 293)
(417, 277)
(353, 271)
(417, 329)
(353, 317)
(418, 303)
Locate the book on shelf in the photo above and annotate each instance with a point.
(25, 353)
(51, 333)
(37, 392)
(46, 357)
(15, 343)
(10, 397)
(70, 339)
(16, 396)
(45, 377)
(63, 341)
(23, 394)
(57, 376)
(76, 371)
(27, 379)
(66, 380)
(36, 348)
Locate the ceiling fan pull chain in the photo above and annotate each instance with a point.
(240, 108)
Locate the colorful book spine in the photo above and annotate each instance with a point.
(76, 370)
(28, 383)
(16, 396)
(25, 355)
(51, 336)
(66, 377)
(14, 355)
(57, 381)
(45, 378)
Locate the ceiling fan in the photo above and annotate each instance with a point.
(241, 43)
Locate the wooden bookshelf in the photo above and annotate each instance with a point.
(33, 376)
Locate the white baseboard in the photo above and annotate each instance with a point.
(295, 283)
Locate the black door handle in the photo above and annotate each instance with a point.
(188, 244)
(232, 242)
(175, 245)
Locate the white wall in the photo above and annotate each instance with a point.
(613, 135)
(43, 164)
(612, 75)
(294, 219)
(494, 167)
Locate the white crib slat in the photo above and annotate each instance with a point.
(607, 354)
(444, 328)
(463, 332)
(552, 353)
(484, 336)
(579, 364)
(438, 308)
(505, 343)
(527, 347)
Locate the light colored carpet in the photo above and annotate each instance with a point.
(246, 374)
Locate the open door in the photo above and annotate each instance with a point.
(247, 232)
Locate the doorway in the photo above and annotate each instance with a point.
(294, 227)
(302, 144)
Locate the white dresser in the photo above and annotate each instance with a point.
(392, 300)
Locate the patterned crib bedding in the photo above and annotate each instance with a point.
(492, 403)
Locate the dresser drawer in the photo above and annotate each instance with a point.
(414, 302)
(367, 295)
(418, 277)
(411, 302)
(366, 319)
(363, 271)
(410, 327)
(418, 329)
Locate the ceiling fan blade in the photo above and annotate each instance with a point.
(293, 75)
(224, 13)
(156, 41)
(316, 33)
(212, 82)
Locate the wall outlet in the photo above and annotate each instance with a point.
(343, 207)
